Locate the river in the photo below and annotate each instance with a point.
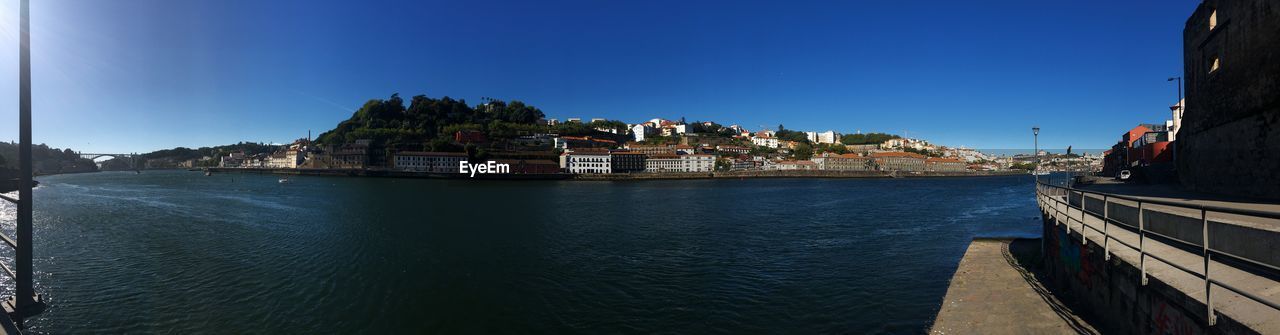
(179, 252)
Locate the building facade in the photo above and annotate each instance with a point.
(797, 165)
(844, 162)
(651, 149)
(434, 162)
(945, 165)
(587, 162)
(899, 161)
(680, 163)
(1227, 142)
(768, 142)
(626, 162)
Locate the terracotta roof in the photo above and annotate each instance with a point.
(897, 154)
(682, 146)
(663, 156)
(942, 160)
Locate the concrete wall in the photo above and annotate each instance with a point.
(1226, 144)
(1109, 292)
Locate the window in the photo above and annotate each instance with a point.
(1213, 63)
(1213, 19)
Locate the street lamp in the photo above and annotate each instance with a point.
(1035, 132)
(1176, 109)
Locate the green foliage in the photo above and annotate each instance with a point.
(46, 160)
(620, 126)
(824, 147)
(802, 151)
(791, 135)
(761, 151)
(868, 138)
(181, 153)
(723, 164)
(388, 122)
(923, 152)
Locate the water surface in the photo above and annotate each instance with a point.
(178, 252)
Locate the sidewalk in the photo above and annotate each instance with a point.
(991, 293)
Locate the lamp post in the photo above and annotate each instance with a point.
(1176, 109)
(1035, 132)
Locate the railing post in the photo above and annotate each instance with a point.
(1066, 214)
(1142, 245)
(1208, 283)
(1106, 235)
(1084, 239)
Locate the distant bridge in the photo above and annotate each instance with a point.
(132, 159)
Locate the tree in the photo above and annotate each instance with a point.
(868, 138)
(723, 164)
(802, 151)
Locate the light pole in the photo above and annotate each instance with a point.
(1035, 132)
(1176, 109)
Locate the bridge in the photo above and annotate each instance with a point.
(133, 160)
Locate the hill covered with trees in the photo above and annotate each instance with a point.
(46, 160)
(431, 123)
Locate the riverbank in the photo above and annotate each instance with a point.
(618, 176)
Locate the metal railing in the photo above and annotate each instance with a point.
(1061, 195)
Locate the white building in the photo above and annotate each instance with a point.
(768, 142)
(435, 162)
(1176, 123)
(287, 159)
(586, 162)
(828, 137)
(232, 160)
(681, 163)
(639, 131)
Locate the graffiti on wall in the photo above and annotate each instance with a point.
(1168, 320)
(1074, 257)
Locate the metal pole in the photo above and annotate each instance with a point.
(1208, 284)
(1142, 245)
(22, 253)
(1106, 237)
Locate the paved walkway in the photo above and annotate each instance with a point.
(1176, 193)
(991, 293)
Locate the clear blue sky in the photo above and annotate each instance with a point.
(140, 75)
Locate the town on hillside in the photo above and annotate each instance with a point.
(600, 146)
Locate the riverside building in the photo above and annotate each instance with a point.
(434, 162)
(899, 161)
(587, 162)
